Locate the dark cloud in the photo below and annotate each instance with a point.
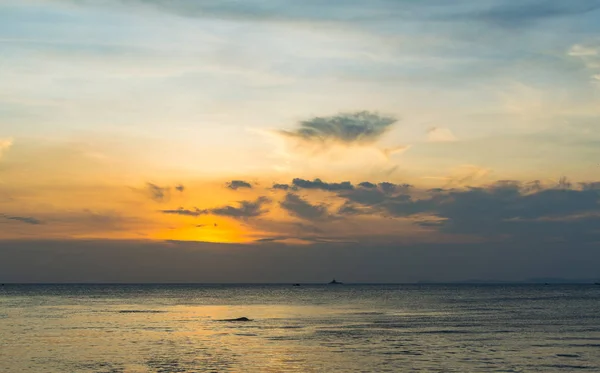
(318, 184)
(298, 207)
(507, 210)
(366, 184)
(358, 128)
(157, 193)
(349, 208)
(245, 209)
(22, 219)
(524, 13)
(504, 208)
(387, 187)
(186, 212)
(371, 194)
(180, 188)
(282, 187)
(238, 184)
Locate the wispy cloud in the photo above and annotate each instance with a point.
(437, 134)
(22, 219)
(185, 212)
(244, 210)
(157, 193)
(5, 145)
(161, 194)
(524, 13)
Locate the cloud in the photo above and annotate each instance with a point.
(282, 187)
(589, 55)
(245, 209)
(388, 152)
(185, 212)
(300, 208)
(371, 194)
(238, 184)
(366, 184)
(524, 13)
(359, 128)
(437, 134)
(22, 219)
(579, 50)
(5, 145)
(157, 193)
(525, 210)
(466, 174)
(349, 208)
(160, 193)
(318, 184)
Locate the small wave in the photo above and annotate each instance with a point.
(568, 355)
(140, 311)
(568, 366)
(369, 313)
(403, 352)
(584, 345)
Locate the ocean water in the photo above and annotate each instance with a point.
(346, 328)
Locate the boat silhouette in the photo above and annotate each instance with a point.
(334, 282)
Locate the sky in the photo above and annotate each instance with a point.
(287, 141)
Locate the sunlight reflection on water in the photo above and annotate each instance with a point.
(311, 329)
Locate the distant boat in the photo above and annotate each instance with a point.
(334, 282)
(296, 285)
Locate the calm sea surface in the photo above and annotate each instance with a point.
(345, 328)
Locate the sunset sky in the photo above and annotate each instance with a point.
(280, 140)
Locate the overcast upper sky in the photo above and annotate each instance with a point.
(280, 140)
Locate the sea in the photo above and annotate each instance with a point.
(307, 328)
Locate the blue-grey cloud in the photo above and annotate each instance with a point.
(158, 193)
(238, 184)
(245, 209)
(22, 219)
(524, 13)
(185, 212)
(319, 184)
(284, 187)
(371, 194)
(505, 208)
(366, 184)
(349, 208)
(358, 128)
(269, 11)
(298, 207)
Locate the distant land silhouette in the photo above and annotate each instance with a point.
(533, 280)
